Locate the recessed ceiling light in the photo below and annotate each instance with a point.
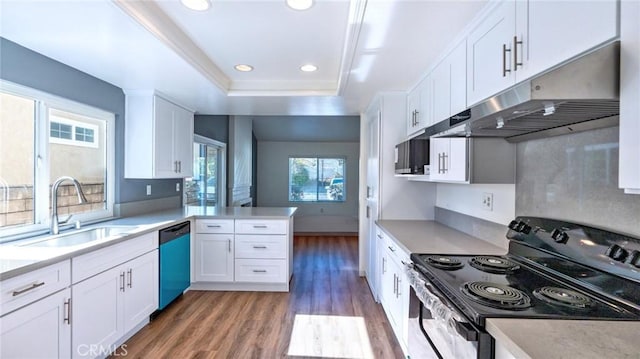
(243, 68)
(308, 68)
(198, 5)
(299, 4)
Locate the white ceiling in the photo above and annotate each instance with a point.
(361, 48)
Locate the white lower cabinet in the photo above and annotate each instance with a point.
(39, 330)
(110, 304)
(214, 257)
(394, 291)
(254, 254)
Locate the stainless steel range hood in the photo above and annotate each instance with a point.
(580, 95)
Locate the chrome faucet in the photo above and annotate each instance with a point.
(55, 224)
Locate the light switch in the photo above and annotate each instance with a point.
(148, 190)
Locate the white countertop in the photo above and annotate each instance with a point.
(430, 237)
(549, 339)
(16, 260)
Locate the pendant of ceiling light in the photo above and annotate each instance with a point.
(299, 4)
(197, 5)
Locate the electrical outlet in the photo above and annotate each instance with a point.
(177, 186)
(487, 201)
(321, 210)
(148, 190)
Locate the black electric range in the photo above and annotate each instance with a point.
(553, 270)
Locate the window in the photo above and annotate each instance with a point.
(43, 137)
(313, 179)
(206, 187)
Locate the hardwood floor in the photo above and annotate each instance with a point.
(329, 312)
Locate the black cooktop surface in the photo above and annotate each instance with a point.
(504, 287)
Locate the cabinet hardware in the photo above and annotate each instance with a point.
(398, 286)
(445, 169)
(416, 117)
(395, 283)
(213, 226)
(439, 162)
(260, 226)
(30, 287)
(122, 281)
(379, 236)
(515, 53)
(391, 249)
(130, 274)
(504, 60)
(259, 271)
(384, 270)
(175, 166)
(67, 311)
(260, 247)
(180, 166)
(229, 244)
(368, 212)
(368, 192)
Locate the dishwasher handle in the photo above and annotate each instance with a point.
(174, 232)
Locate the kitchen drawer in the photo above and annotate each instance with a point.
(261, 246)
(19, 291)
(261, 270)
(98, 261)
(214, 226)
(394, 250)
(249, 226)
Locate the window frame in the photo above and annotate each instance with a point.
(74, 131)
(317, 158)
(44, 102)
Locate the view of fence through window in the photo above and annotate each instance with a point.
(313, 179)
(70, 144)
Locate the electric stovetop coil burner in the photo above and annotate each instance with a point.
(443, 262)
(496, 295)
(495, 265)
(565, 297)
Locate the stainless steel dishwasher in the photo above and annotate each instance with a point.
(175, 267)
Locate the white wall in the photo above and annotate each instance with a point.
(467, 199)
(273, 184)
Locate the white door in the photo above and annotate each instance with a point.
(97, 313)
(214, 257)
(457, 167)
(39, 330)
(163, 158)
(438, 158)
(413, 112)
(141, 289)
(183, 139)
(441, 84)
(373, 178)
(489, 46)
(555, 31)
(458, 61)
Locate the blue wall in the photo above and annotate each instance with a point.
(28, 68)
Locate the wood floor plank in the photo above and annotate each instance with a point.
(325, 290)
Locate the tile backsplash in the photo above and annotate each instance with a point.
(575, 178)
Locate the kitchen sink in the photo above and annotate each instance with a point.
(82, 236)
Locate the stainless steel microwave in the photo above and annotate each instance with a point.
(412, 156)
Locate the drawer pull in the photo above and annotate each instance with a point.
(67, 311)
(260, 226)
(31, 287)
(122, 281)
(130, 274)
(213, 226)
(391, 248)
(260, 247)
(259, 271)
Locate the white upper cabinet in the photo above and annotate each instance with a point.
(158, 137)
(519, 39)
(629, 175)
(419, 107)
(449, 84)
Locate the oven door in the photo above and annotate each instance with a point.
(436, 329)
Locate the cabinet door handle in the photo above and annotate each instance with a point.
(391, 249)
(515, 53)
(384, 270)
(379, 236)
(260, 247)
(445, 168)
(67, 311)
(439, 162)
(398, 286)
(229, 244)
(395, 283)
(130, 274)
(24, 290)
(122, 281)
(213, 226)
(368, 211)
(259, 271)
(416, 116)
(504, 60)
(180, 166)
(260, 226)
